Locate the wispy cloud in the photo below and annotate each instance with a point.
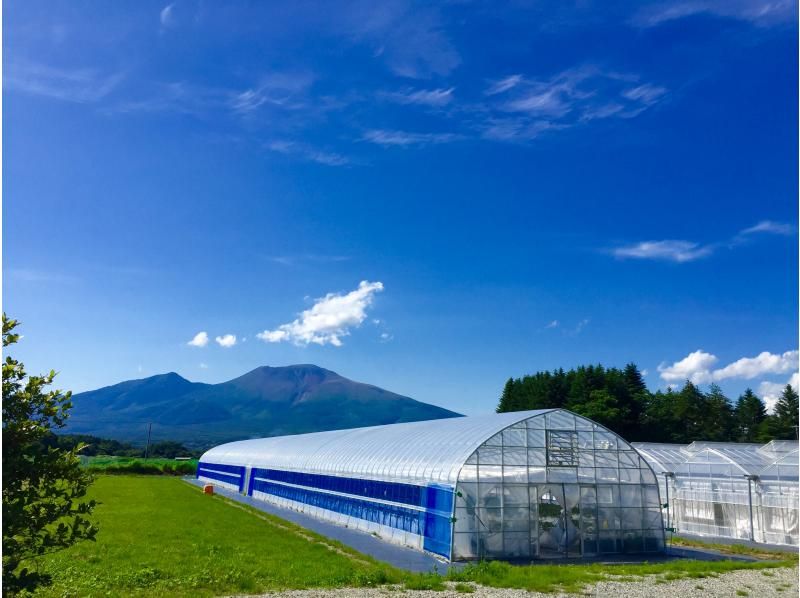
(698, 367)
(521, 108)
(38, 276)
(226, 341)
(293, 260)
(669, 250)
(552, 324)
(504, 85)
(77, 85)
(681, 251)
(285, 90)
(581, 325)
(770, 227)
(422, 97)
(328, 320)
(406, 138)
(199, 340)
(408, 37)
(758, 12)
(308, 153)
(166, 15)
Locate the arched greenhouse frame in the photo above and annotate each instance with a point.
(525, 485)
(725, 490)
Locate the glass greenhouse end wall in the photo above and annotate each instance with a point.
(524, 485)
(729, 490)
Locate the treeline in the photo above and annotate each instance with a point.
(620, 400)
(166, 449)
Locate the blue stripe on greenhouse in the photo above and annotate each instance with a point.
(408, 494)
(433, 523)
(232, 474)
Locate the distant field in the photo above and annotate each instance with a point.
(137, 465)
(162, 537)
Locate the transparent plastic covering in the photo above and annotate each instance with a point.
(416, 452)
(555, 486)
(729, 490)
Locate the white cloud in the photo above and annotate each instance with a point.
(581, 325)
(166, 15)
(696, 366)
(423, 97)
(673, 251)
(504, 85)
(328, 320)
(405, 138)
(647, 94)
(552, 324)
(306, 152)
(81, 86)
(770, 227)
(203, 366)
(200, 340)
(764, 363)
(227, 340)
(386, 337)
(758, 12)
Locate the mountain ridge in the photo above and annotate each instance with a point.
(266, 401)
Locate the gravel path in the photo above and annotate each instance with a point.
(769, 582)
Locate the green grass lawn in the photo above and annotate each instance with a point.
(162, 537)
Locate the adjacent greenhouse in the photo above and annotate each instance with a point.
(524, 485)
(729, 490)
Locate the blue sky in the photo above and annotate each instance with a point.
(430, 198)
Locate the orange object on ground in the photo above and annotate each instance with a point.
(208, 489)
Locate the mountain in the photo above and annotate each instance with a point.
(269, 401)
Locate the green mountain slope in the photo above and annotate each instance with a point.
(267, 401)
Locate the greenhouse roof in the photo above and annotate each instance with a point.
(428, 450)
(728, 458)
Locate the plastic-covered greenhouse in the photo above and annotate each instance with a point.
(530, 484)
(729, 490)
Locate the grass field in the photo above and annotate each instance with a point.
(161, 537)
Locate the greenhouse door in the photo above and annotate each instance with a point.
(552, 533)
(567, 520)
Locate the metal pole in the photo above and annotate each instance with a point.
(147, 447)
(666, 487)
(750, 506)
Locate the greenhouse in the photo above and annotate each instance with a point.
(729, 490)
(523, 485)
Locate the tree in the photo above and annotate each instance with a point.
(750, 415)
(718, 421)
(41, 485)
(786, 414)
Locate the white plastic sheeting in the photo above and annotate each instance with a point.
(729, 490)
(421, 452)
